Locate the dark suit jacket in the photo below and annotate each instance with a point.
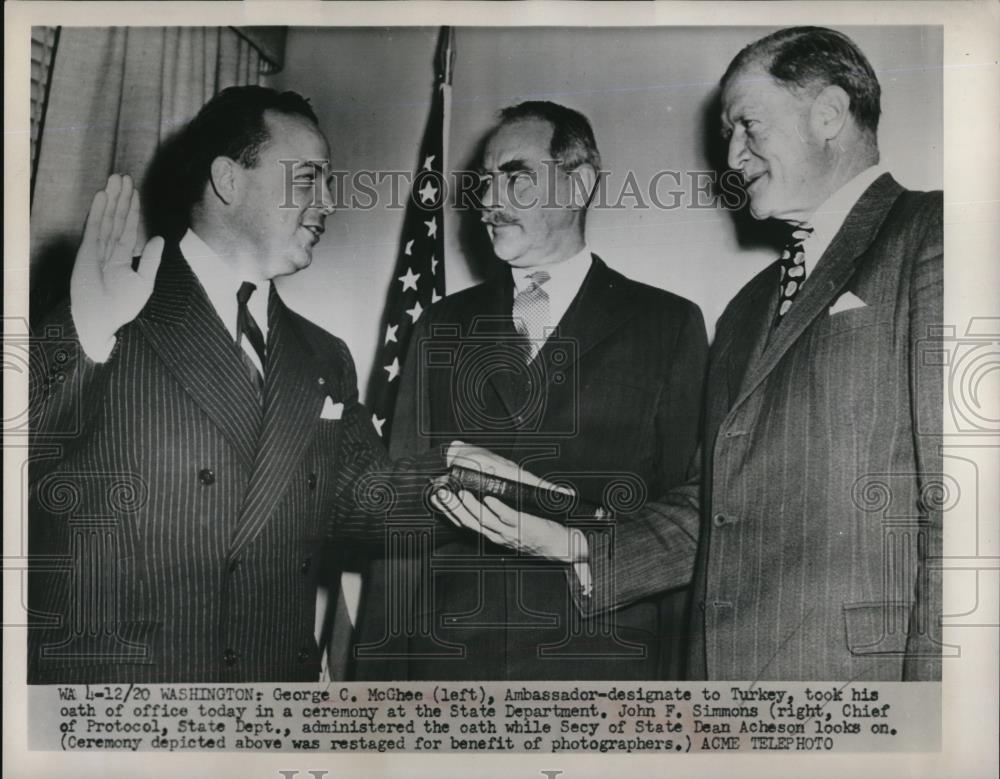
(174, 524)
(611, 405)
(818, 554)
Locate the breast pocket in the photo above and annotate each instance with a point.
(852, 319)
(851, 357)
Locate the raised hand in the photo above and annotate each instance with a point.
(105, 293)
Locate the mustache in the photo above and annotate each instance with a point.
(496, 219)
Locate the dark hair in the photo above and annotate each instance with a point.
(232, 125)
(572, 136)
(811, 56)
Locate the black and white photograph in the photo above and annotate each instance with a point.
(541, 381)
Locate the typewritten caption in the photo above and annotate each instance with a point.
(488, 717)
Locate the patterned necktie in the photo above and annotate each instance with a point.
(793, 270)
(247, 327)
(531, 313)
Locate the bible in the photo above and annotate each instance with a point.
(541, 502)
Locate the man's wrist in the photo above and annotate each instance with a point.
(97, 347)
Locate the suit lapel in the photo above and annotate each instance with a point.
(183, 329)
(600, 307)
(741, 345)
(497, 316)
(833, 271)
(293, 399)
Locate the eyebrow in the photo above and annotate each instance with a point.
(511, 166)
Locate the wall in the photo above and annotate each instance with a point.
(648, 93)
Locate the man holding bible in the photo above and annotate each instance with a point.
(192, 438)
(820, 524)
(569, 369)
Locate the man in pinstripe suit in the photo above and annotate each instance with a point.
(193, 439)
(812, 529)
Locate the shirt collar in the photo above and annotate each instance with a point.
(221, 282)
(560, 273)
(565, 279)
(827, 220)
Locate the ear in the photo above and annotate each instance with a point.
(830, 112)
(582, 181)
(225, 177)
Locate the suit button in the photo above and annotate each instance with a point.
(206, 476)
(306, 565)
(303, 655)
(719, 520)
(312, 480)
(235, 565)
(229, 657)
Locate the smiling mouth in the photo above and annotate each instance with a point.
(316, 231)
(749, 181)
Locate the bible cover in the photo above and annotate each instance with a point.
(546, 503)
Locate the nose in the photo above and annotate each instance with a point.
(737, 153)
(489, 197)
(325, 204)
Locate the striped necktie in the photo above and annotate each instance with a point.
(246, 327)
(531, 313)
(793, 270)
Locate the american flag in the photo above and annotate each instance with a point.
(418, 279)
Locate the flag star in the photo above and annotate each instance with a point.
(409, 280)
(377, 424)
(427, 193)
(434, 264)
(428, 160)
(435, 297)
(416, 311)
(432, 227)
(409, 248)
(392, 369)
(390, 334)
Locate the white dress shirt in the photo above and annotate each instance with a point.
(829, 217)
(565, 280)
(221, 281)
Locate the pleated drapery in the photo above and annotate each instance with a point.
(115, 94)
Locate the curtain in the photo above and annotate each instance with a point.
(43, 41)
(115, 94)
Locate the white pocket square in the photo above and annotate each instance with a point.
(331, 410)
(846, 302)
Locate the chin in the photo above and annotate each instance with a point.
(505, 251)
(760, 211)
(292, 264)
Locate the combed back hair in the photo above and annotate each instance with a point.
(816, 57)
(572, 136)
(232, 125)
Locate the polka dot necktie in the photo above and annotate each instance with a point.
(531, 312)
(793, 270)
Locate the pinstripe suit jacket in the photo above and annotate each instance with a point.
(613, 409)
(820, 533)
(173, 521)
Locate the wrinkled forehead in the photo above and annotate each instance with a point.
(525, 143)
